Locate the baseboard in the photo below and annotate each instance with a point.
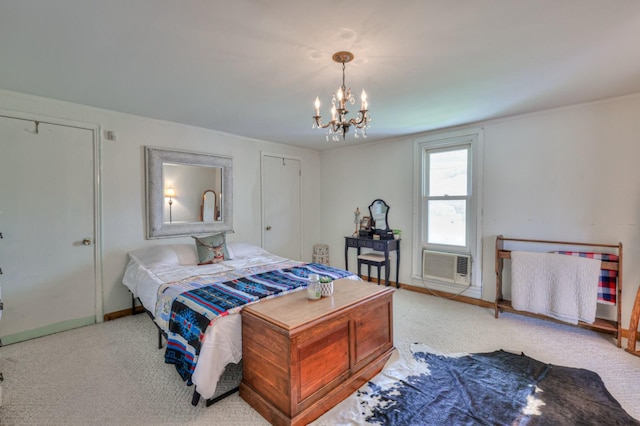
(626, 333)
(123, 313)
(464, 299)
(47, 330)
(483, 303)
(447, 295)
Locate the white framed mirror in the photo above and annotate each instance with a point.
(175, 184)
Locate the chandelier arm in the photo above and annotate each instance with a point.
(360, 122)
(319, 124)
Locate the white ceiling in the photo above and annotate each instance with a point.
(254, 67)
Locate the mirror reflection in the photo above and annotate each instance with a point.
(379, 211)
(193, 187)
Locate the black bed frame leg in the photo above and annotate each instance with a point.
(221, 397)
(195, 399)
(159, 339)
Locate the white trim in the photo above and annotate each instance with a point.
(263, 225)
(97, 189)
(475, 139)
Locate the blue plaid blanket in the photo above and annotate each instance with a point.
(193, 310)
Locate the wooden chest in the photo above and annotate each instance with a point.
(302, 357)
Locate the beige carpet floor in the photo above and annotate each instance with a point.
(113, 373)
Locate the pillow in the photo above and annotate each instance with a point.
(159, 254)
(211, 249)
(186, 254)
(245, 250)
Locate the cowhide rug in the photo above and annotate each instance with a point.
(497, 388)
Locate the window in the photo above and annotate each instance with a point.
(448, 173)
(447, 196)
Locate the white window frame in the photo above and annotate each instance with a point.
(473, 139)
(468, 198)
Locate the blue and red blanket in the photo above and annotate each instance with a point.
(193, 310)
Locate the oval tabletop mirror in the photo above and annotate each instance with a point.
(379, 211)
(209, 207)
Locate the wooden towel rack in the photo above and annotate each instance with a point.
(600, 324)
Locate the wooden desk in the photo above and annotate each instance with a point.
(385, 246)
(302, 357)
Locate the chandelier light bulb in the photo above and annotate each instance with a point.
(317, 105)
(333, 113)
(363, 96)
(340, 94)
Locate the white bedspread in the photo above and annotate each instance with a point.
(150, 268)
(559, 286)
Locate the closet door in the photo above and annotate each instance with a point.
(282, 206)
(47, 224)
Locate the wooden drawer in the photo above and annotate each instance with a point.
(379, 245)
(365, 243)
(351, 242)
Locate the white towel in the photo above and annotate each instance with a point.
(559, 286)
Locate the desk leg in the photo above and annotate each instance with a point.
(398, 266)
(387, 273)
(346, 257)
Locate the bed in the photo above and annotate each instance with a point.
(162, 277)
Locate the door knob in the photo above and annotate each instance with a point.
(268, 228)
(86, 242)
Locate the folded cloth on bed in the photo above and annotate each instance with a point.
(607, 294)
(193, 310)
(562, 287)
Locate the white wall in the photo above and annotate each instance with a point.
(123, 198)
(567, 174)
(354, 177)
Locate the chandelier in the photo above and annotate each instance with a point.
(339, 124)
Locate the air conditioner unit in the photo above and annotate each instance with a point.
(449, 267)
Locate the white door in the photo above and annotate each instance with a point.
(47, 223)
(281, 206)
